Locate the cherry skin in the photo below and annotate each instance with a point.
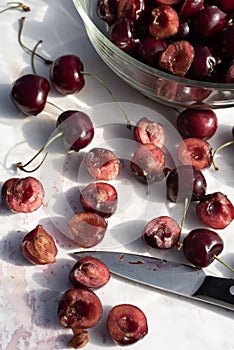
(201, 246)
(29, 94)
(66, 74)
(126, 324)
(39, 247)
(215, 210)
(121, 33)
(201, 124)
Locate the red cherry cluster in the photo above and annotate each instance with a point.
(191, 38)
(200, 246)
(80, 308)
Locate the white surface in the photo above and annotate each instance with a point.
(29, 294)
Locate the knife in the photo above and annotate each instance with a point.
(169, 276)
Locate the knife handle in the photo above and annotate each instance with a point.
(218, 288)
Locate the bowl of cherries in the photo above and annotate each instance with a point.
(177, 52)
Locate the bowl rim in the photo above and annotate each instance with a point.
(144, 67)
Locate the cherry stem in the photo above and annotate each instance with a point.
(26, 49)
(219, 149)
(22, 166)
(109, 91)
(180, 244)
(18, 5)
(33, 55)
(223, 263)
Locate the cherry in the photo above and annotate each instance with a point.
(215, 210)
(162, 232)
(121, 34)
(29, 94)
(224, 42)
(79, 309)
(66, 74)
(102, 164)
(201, 246)
(148, 163)
(190, 7)
(177, 57)
(100, 198)
(165, 22)
(196, 152)
(230, 75)
(87, 229)
(201, 124)
(126, 324)
(89, 272)
(204, 63)
(77, 131)
(208, 21)
(110, 10)
(150, 49)
(147, 131)
(224, 5)
(39, 247)
(185, 181)
(22, 195)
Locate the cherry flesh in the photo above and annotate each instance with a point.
(89, 272)
(102, 164)
(66, 74)
(201, 246)
(147, 131)
(165, 22)
(148, 163)
(162, 232)
(87, 229)
(126, 324)
(77, 129)
(150, 49)
(39, 247)
(79, 309)
(100, 197)
(215, 210)
(196, 152)
(22, 195)
(201, 124)
(29, 94)
(185, 181)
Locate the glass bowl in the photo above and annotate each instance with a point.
(153, 83)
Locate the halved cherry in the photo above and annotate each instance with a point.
(148, 131)
(89, 272)
(165, 22)
(87, 229)
(196, 152)
(99, 197)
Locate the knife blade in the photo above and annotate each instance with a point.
(167, 275)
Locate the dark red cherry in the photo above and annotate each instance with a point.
(100, 197)
(29, 94)
(224, 5)
(121, 33)
(230, 75)
(77, 129)
(185, 182)
(201, 246)
(126, 324)
(215, 210)
(89, 272)
(190, 7)
(196, 152)
(201, 124)
(150, 49)
(66, 74)
(79, 308)
(206, 22)
(204, 63)
(162, 232)
(224, 43)
(110, 10)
